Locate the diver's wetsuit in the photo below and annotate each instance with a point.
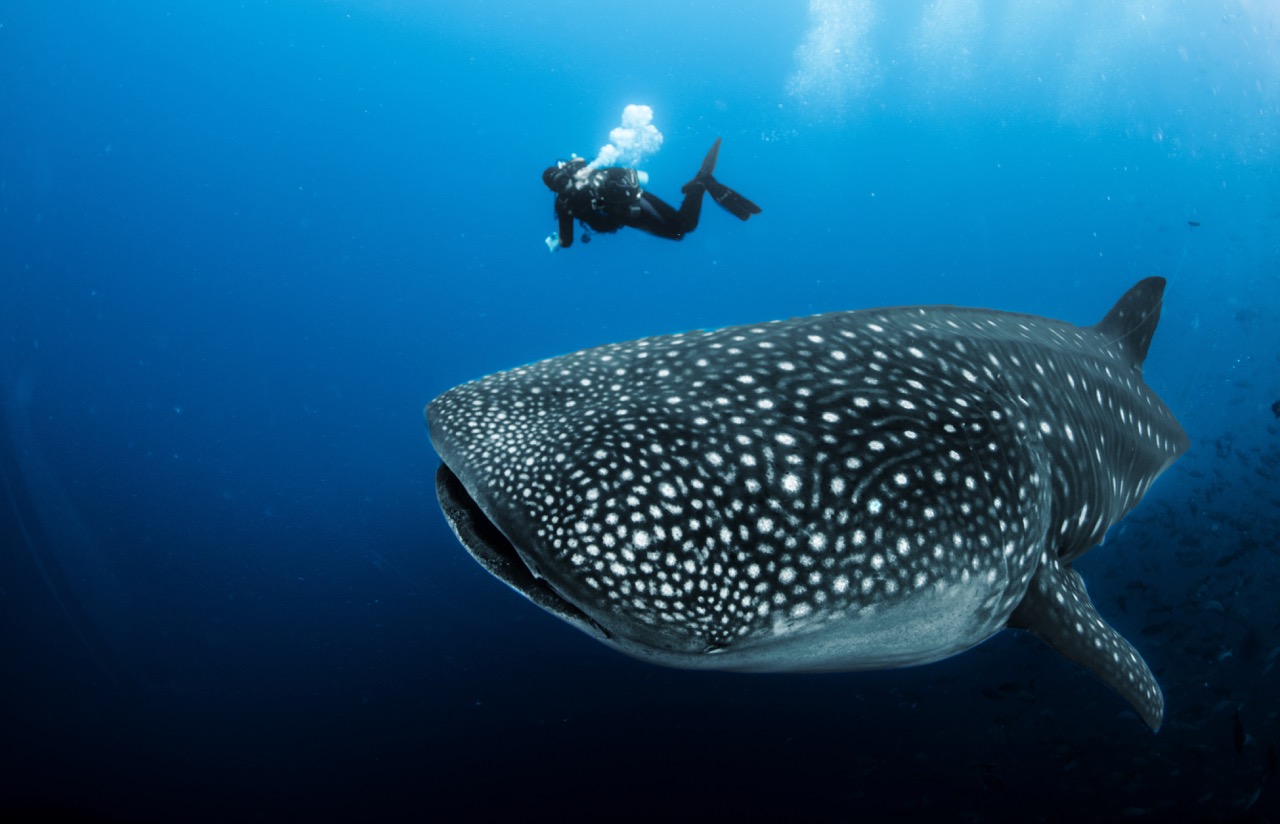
(607, 199)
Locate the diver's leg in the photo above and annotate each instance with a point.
(658, 218)
(691, 208)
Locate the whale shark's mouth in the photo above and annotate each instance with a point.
(495, 552)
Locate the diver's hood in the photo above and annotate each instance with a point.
(559, 178)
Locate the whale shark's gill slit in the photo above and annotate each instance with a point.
(985, 473)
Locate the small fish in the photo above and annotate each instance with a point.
(1193, 223)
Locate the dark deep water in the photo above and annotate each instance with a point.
(242, 245)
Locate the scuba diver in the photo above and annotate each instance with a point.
(607, 199)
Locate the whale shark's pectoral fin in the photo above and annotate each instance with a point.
(1058, 611)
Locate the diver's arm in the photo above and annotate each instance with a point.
(566, 225)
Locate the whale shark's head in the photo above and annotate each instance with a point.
(745, 493)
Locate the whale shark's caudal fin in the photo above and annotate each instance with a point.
(1132, 321)
(1057, 610)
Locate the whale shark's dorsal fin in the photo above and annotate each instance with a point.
(1057, 610)
(1132, 321)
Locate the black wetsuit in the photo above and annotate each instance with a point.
(607, 199)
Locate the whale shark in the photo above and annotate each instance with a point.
(848, 491)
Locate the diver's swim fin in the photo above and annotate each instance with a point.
(709, 162)
(729, 200)
(708, 166)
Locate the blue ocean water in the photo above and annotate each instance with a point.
(242, 245)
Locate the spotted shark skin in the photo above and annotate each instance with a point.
(849, 491)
